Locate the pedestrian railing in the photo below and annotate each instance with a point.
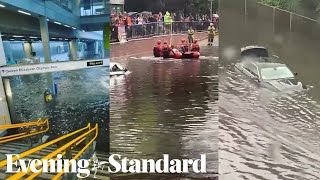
(25, 130)
(158, 28)
(82, 138)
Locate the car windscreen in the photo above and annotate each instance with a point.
(116, 67)
(271, 73)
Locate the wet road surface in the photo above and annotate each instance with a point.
(166, 107)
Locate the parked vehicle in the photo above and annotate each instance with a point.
(274, 76)
(117, 69)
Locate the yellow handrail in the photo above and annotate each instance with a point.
(27, 134)
(32, 176)
(79, 153)
(59, 150)
(4, 119)
(13, 126)
(38, 148)
(74, 158)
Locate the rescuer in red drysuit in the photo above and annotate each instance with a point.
(195, 46)
(157, 50)
(183, 46)
(166, 49)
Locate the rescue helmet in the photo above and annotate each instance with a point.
(159, 42)
(211, 24)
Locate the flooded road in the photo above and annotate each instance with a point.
(166, 107)
(263, 134)
(266, 135)
(75, 105)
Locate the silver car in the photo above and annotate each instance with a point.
(274, 76)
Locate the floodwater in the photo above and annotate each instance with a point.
(166, 107)
(76, 104)
(264, 134)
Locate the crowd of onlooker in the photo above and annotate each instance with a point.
(146, 23)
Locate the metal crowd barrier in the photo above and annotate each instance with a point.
(158, 28)
(86, 135)
(28, 129)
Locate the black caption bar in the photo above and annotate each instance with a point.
(95, 63)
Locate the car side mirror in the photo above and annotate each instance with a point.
(295, 73)
(256, 78)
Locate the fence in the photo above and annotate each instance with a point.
(292, 37)
(268, 19)
(247, 22)
(156, 29)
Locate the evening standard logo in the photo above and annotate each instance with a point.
(84, 167)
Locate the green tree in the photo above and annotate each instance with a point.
(309, 8)
(289, 5)
(186, 6)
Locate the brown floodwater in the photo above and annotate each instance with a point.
(166, 107)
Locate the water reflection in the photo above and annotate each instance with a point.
(166, 107)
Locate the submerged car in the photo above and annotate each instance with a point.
(117, 69)
(274, 76)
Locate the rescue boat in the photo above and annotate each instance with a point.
(186, 55)
(176, 54)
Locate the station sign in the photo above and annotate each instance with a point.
(50, 67)
(95, 63)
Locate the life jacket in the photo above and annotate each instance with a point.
(195, 47)
(186, 46)
(190, 32)
(47, 96)
(157, 50)
(211, 30)
(166, 49)
(129, 21)
(167, 18)
(183, 47)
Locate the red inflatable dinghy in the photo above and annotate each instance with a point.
(187, 55)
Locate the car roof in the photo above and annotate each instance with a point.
(252, 47)
(117, 64)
